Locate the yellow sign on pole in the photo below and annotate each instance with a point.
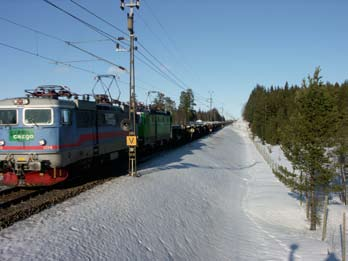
(131, 140)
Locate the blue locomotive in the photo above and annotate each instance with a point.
(43, 134)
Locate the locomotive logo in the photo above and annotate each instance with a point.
(21, 135)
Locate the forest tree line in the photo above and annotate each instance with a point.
(185, 111)
(310, 122)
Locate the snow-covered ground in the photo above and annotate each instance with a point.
(213, 199)
(335, 208)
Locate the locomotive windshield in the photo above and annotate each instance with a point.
(8, 117)
(38, 116)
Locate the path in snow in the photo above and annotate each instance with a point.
(200, 202)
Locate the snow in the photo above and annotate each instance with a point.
(335, 208)
(213, 199)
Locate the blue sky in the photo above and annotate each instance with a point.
(222, 46)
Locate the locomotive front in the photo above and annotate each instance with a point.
(29, 142)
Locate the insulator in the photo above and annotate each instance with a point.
(130, 23)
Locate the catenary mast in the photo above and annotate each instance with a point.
(132, 138)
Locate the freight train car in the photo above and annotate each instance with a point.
(154, 128)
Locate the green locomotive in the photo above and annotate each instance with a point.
(154, 128)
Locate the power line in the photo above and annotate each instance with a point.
(94, 28)
(91, 41)
(171, 41)
(54, 61)
(95, 56)
(146, 50)
(155, 16)
(158, 70)
(177, 79)
(46, 58)
(101, 32)
(164, 76)
(71, 44)
(100, 18)
(107, 35)
(167, 35)
(67, 64)
(127, 83)
(83, 61)
(184, 84)
(164, 66)
(31, 29)
(156, 35)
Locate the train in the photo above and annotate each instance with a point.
(51, 130)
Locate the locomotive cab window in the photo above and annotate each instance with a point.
(8, 117)
(38, 116)
(65, 117)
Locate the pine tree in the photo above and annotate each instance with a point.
(308, 134)
(186, 106)
(159, 102)
(169, 104)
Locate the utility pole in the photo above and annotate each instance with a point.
(132, 138)
(210, 104)
(222, 111)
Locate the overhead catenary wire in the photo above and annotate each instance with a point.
(54, 61)
(82, 61)
(152, 67)
(91, 41)
(164, 45)
(109, 36)
(164, 75)
(71, 44)
(48, 35)
(46, 58)
(170, 39)
(92, 27)
(158, 70)
(31, 29)
(156, 35)
(95, 56)
(67, 63)
(164, 66)
(64, 63)
(118, 29)
(172, 78)
(100, 18)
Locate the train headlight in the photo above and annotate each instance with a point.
(34, 166)
(2, 142)
(21, 101)
(42, 142)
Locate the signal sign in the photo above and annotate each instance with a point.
(131, 141)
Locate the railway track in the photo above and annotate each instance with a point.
(19, 203)
(15, 196)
